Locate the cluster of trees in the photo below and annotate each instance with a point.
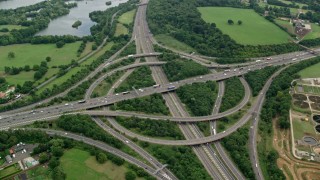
(181, 69)
(105, 26)
(41, 70)
(153, 104)
(230, 22)
(277, 104)
(4, 30)
(130, 49)
(151, 128)
(256, 79)
(198, 97)
(40, 14)
(76, 24)
(81, 48)
(183, 21)
(236, 144)
(84, 125)
(105, 86)
(234, 93)
(280, 3)
(180, 159)
(139, 78)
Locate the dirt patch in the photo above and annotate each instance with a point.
(315, 99)
(301, 104)
(315, 106)
(299, 97)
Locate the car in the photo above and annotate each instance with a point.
(127, 141)
(225, 74)
(117, 94)
(66, 104)
(201, 77)
(141, 90)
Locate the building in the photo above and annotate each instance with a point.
(30, 162)
(8, 159)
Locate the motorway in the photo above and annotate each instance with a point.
(55, 111)
(223, 155)
(152, 160)
(194, 137)
(101, 145)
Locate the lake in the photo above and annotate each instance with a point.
(12, 4)
(63, 24)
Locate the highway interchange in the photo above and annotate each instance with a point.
(218, 166)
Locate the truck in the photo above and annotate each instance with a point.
(81, 101)
(126, 92)
(269, 58)
(227, 70)
(171, 88)
(157, 85)
(131, 55)
(259, 60)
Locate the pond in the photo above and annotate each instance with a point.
(63, 25)
(13, 4)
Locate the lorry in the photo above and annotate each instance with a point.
(171, 88)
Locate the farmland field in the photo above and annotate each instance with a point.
(315, 33)
(173, 43)
(78, 164)
(255, 30)
(127, 17)
(28, 54)
(311, 72)
(121, 29)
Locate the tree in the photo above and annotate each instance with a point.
(2, 80)
(239, 22)
(54, 162)
(48, 58)
(101, 158)
(60, 44)
(11, 55)
(130, 175)
(27, 68)
(230, 22)
(43, 157)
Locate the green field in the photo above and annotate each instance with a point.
(311, 89)
(302, 128)
(173, 43)
(285, 24)
(39, 173)
(127, 17)
(315, 33)
(255, 30)
(121, 29)
(27, 54)
(289, 2)
(311, 72)
(73, 71)
(9, 170)
(78, 164)
(293, 11)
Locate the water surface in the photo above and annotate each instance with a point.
(13, 4)
(63, 24)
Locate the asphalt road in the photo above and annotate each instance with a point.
(105, 147)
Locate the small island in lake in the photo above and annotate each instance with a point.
(76, 24)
